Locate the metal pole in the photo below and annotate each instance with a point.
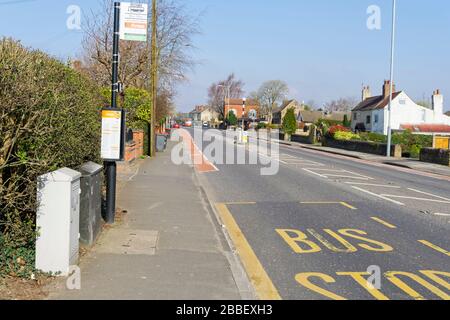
(394, 3)
(111, 167)
(153, 80)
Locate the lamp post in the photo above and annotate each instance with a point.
(394, 7)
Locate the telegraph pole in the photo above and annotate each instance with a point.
(153, 80)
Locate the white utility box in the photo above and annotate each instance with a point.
(58, 220)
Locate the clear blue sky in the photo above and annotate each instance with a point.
(321, 48)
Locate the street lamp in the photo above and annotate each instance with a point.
(394, 3)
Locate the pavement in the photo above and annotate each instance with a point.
(168, 245)
(330, 226)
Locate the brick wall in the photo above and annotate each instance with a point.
(135, 148)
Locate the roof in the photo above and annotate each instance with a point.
(447, 113)
(426, 128)
(285, 104)
(239, 102)
(311, 116)
(338, 116)
(375, 103)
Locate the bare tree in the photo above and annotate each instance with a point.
(270, 94)
(175, 31)
(341, 105)
(217, 93)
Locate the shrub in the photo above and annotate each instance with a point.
(290, 122)
(334, 129)
(373, 137)
(261, 125)
(346, 136)
(49, 118)
(232, 119)
(346, 123)
(415, 151)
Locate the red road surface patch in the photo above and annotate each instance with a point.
(199, 161)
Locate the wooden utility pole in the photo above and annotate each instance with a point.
(153, 79)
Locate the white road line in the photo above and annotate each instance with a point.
(373, 185)
(429, 194)
(378, 196)
(331, 170)
(273, 158)
(347, 177)
(315, 173)
(442, 214)
(414, 198)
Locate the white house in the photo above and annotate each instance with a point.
(372, 113)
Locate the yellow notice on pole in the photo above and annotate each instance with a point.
(111, 134)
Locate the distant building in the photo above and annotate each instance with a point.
(204, 114)
(237, 105)
(372, 113)
(279, 113)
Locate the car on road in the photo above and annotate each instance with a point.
(206, 125)
(188, 124)
(176, 126)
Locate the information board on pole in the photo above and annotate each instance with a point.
(111, 146)
(133, 21)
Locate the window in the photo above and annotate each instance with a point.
(368, 119)
(402, 101)
(355, 116)
(376, 118)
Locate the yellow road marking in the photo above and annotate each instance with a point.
(239, 203)
(263, 285)
(345, 204)
(387, 224)
(435, 247)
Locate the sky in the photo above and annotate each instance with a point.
(322, 49)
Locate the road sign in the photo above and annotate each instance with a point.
(133, 21)
(111, 135)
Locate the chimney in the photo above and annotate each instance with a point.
(366, 93)
(438, 102)
(387, 87)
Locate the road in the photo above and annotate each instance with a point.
(331, 227)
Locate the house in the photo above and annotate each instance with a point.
(279, 113)
(308, 118)
(237, 106)
(204, 114)
(372, 113)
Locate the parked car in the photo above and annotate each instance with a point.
(188, 124)
(205, 124)
(176, 126)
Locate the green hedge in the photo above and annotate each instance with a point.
(410, 143)
(49, 118)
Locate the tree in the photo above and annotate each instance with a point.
(175, 31)
(347, 123)
(232, 119)
(290, 122)
(270, 94)
(340, 105)
(218, 92)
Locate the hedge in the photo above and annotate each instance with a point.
(49, 118)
